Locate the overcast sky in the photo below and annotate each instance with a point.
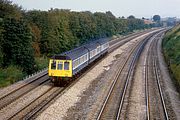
(138, 8)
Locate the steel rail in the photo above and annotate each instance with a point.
(43, 82)
(155, 67)
(8, 99)
(146, 81)
(32, 114)
(132, 66)
(118, 42)
(114, 82)
(155, 70)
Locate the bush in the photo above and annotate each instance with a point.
(10, 75)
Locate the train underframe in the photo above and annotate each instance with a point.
(60, 81)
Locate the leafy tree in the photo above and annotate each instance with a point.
(7, 9)
(131, 17)
(36, 36)
(156, 18)
(29, 35)
(39, 18)
(1, 39)
(17, 46)
(109, 14)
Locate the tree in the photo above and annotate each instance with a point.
(109, 14)
(1, 39)
(156, 18)
(7, 9)
(17, 45)
(131, 17)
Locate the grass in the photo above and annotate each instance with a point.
(171, 47)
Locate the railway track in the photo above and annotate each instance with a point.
(43, 100)
(32, 83)
(109, 111)
(22, 90)
(151, 60)
(36, 111)
(35, 106)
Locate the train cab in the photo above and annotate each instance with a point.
(60, 67)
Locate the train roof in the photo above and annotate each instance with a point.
(81, 50)
(61, 57)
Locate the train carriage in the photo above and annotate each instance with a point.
(68, 64)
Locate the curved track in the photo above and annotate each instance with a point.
(22, 90)
(107, 111)
(151, 60)
(43, 100)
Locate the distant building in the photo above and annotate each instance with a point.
(146, 21)
(169, 21)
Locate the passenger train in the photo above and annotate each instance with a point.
(67, 65)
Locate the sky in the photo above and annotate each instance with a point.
(138, 8)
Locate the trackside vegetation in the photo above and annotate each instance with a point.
(171, 47)
(28, 38)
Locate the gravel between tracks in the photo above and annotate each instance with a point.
(21, 102)
(92, 80)
(137, 106)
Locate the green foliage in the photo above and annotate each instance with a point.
(62, 30)
(135, 24)
(10, 75)
(131, 17)
(171, 47)
(17, 46)
(1, 39)
(156, 18)
(26, 36)
(7, 9)
(41, 62)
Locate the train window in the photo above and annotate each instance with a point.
(94, 52)
(53, 65)
(78, 61)
(98, 49)
(73, 64)
(85, 57)
(66, 65)
(81, 59)
(60, 66)
(90, 54)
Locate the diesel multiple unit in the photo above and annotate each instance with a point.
(68, 64)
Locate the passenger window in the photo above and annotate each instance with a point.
(60, 66)
(66, 65)
(53, 65)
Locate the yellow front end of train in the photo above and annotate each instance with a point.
(60, 68)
